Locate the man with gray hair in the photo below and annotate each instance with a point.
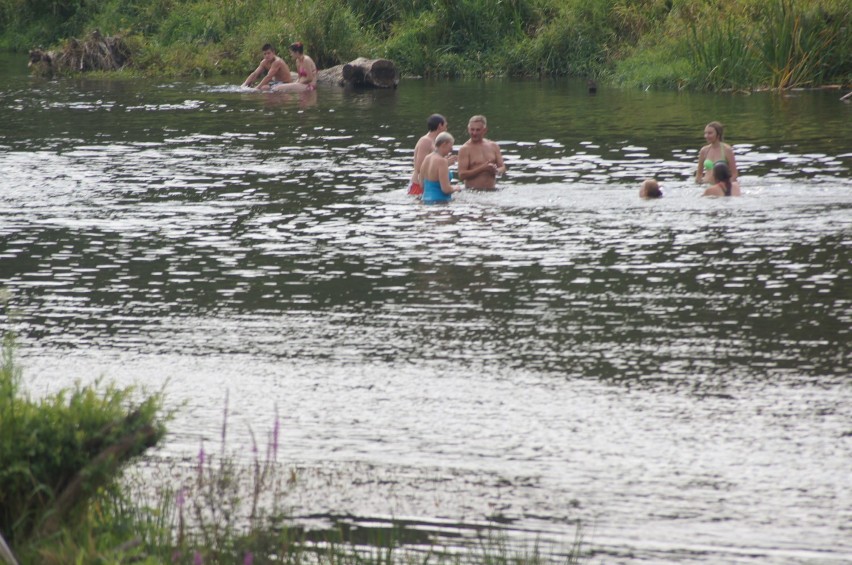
(480, 160)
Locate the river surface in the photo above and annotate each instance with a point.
(672, 375)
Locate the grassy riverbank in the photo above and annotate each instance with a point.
(694, 44)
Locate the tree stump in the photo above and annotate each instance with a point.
(374, 73)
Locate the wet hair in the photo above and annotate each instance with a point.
(297, 47)
(718, 127)
(268, 47)
(478, 118)
(443, 138)
(722, 174)
(652, 188)
(435, 121)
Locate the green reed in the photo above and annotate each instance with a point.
(798, 47)
(722, 56)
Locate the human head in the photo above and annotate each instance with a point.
(444, 142)
(476, 127)
(297, 47)
(268, 51)
(714, 127)
(721, 172)
(435, 121)
(651, 189)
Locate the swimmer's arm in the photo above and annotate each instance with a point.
(501, 166)
(699, 173)
(465, 170)
(312, 71)
(253, 77)
(444, 175)
(732, 162)
(273, 69)
(421, 150)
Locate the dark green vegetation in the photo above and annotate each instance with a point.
(698, 44)
(66, 495)
(61, 453)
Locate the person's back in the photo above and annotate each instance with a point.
(436, 124)
(723, 185)
(435, 173)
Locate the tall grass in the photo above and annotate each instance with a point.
(798, 47)
(745, 44)
(228, 506)
(722, 57)
(705, 44)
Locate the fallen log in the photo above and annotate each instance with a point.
(374, 73)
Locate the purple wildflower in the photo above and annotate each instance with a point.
(181, 497)
(249, 558)
(275, 432)
(225, 421)
(197, 559)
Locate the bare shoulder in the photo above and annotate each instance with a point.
(423, 142)
(493, 145)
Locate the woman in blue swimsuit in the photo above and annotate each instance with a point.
(714, 151)
(435, 172)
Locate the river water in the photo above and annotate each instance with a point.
(672, 376)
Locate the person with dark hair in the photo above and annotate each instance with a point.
(435, 124)
(306, 70)
(277, 71)
(714, 151)
(650, 189)
(435, 172)
(480, 160)
(724, 185)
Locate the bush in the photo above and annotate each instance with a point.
(58, 452)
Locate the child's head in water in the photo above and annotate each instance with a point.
(650, 189)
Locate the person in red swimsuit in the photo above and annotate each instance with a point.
(436, 123)
(306, 70)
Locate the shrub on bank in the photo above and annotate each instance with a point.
(59, 452)
(777, 44)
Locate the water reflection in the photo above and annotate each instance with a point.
(668, 372)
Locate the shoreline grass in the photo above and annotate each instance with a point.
(684, 44)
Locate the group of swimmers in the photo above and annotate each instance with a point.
(716, 166)
(274, 74)
(480, 161)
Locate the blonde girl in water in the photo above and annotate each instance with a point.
(713, 152)
(305, 68)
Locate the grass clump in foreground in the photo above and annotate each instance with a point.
(61, 453)
(64, 498)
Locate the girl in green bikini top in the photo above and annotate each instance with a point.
(713, 152)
